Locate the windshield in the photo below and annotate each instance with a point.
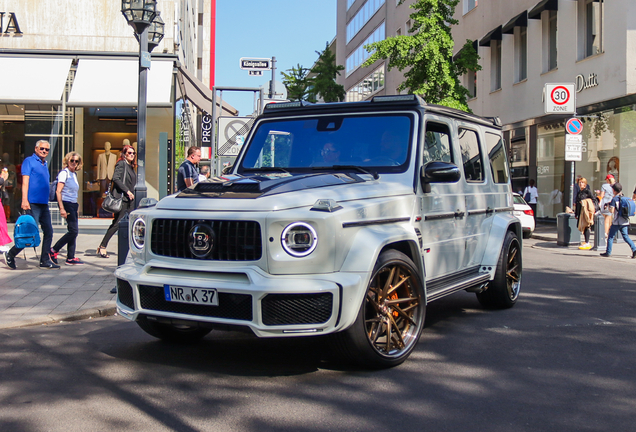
(377, 141)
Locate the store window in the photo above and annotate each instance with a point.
(550, 170)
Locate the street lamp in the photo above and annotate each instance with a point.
(140, 15)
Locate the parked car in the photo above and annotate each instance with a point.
(525, 214)
(341, 219)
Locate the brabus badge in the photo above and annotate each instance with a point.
(201, 240)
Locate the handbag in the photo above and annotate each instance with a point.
(527, 197)
(110, 203)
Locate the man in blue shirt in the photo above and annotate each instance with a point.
(35, 197)
(188, 173)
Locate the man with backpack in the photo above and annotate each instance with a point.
(35, 197)
(622, 209)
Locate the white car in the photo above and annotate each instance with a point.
(525, 214)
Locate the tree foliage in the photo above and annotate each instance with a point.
(324, 83)
(426, 54)
(297, 83)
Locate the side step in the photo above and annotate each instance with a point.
(440, 289)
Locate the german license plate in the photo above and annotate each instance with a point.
(181, 294)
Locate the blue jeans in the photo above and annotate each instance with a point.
(612, 232)
(42, 215)
(70, 237)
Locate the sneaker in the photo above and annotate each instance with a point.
(74, 261)
(605, 254)
(633, 254)
(585, 246)
(53, 255)
(49, 265)
(9, 260)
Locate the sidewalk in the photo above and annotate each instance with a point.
(32, 296)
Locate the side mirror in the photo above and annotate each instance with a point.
(227, 169)
(439, 172)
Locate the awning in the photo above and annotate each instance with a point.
(111, 82)
(198, 93)
(475, 47)
(535, 12)
(33, 80)
(520, 20)
(492, 35)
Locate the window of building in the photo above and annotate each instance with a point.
(437, 144)
(365, 13)
(471, 83)
(408, 26)
(367, 87)
(549, 23)
(469, 5)
(591, 17)
(360, 54)
(471, 155)
(521, 53)
(495, 65)
(497, 156)
(398, 32)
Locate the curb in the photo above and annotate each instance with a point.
(54, 319)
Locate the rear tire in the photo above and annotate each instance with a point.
(503, 290)
(173, 333)
(391, 317)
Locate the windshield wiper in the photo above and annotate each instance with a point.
(261, 169)
(349, 167)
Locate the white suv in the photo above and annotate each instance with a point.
(342, 219)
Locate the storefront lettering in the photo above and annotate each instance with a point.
(545, 169)
(582, 83)
(206, 129)
(12, 24)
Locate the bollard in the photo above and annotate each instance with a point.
(600, 243)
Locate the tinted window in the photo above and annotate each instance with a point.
(471, 155)
(437, 144)
(497, 156)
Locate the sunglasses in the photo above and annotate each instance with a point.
(44, 149)
(74, 160)
(130, 153)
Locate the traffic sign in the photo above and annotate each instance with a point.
(573, 147)
(232, 132)
(255, 63)
(560, 98)
(574, 126)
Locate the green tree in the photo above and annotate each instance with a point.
(427, 55)
(324, 83)
(297, 83)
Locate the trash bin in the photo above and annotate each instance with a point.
(600, 243)
(567, 232)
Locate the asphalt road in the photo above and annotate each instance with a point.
(561, 360)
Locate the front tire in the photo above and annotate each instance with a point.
(503, 290)
(173, 333)
(391, 317)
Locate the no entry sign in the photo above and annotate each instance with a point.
(560, 98)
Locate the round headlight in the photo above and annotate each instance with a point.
(138, 233)
(299, 239)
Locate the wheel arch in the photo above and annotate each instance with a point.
(502, 224)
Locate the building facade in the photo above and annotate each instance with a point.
(524, 44)
(70, 76)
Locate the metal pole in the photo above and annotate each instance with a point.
(140, 187)
(272, 84)
(572, 197)
(214, 138)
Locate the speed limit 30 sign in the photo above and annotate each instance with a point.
(560, 98)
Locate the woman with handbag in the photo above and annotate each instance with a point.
(66, 196)
(122, 187)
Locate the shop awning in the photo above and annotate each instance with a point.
(492, 35)
(198, 93)
(114, 82)
(33, 80)
(535, 12)
(520, 20)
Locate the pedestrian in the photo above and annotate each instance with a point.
(530, 195)
(605, 197)
(66, 194)
(584, 212)
(618, 224)
(123, 184)
(35, 197)
(204, 174)
(188, 173)
(4, 230)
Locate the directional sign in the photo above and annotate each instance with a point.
(255, 63)
(560, 99)
(574, 126)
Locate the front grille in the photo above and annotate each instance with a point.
(231, 306)
(125, 293)
(286, 309)
(235, 240)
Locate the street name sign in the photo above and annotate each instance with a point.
(255, 63)
(560, 98)
(255, 72)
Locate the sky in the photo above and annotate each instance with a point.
(290, 30)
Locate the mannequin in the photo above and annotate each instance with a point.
(106, 166)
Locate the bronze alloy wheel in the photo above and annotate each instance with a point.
(391, 310)
(503, 290)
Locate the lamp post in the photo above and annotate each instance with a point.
(143, 17)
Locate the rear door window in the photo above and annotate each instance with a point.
(471, 155)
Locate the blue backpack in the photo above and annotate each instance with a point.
(626, 207)
(26, 232)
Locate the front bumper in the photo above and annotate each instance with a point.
(271, 306)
